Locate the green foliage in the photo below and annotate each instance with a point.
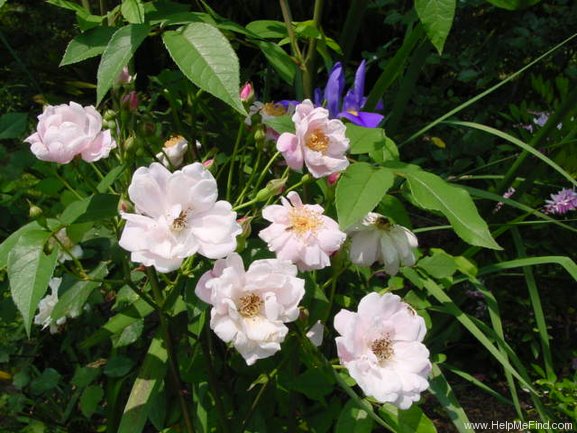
(437, 18)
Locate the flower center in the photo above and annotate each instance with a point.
(383, 349)
(250, 305)
(173, 141)
(318, 141)
(273, 109)
(303, 220)
(179, 223)
(353, 112)
(382, 223)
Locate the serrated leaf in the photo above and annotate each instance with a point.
(13, 125)
(89, 44)
(431, 192)
(132, 11)
(89, 400)
(8, 244)
(267, 29)
(206, 58)
(354, 419)
(29, 271)
(94, 208)
(149, 376)
(118, 52)
(437, 18)
(359, 190)
(71, 302)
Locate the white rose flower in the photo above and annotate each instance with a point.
(381, 347)
(374, 239)
(177, 217)
(46, 306)
(250, 308)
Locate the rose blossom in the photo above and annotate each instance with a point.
(374, 239)
(173, 151)
(381, 347)
(301, 233)
(251, 307)
(319, 143)
(65, 131)
(177, 216)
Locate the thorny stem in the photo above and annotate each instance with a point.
(159, 298)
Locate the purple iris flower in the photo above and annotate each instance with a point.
(351, 106)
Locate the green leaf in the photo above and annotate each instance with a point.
(45, 382)
(359, 190)
(439, 264)
(280, 124)
(84, 376)
(354, 419)
(314, 383)
(431, 192)
(437, 18)
(440, 388)
(129, 334)
(110, 178)
(279, 60)
(71, 302)
(412, 420)
(89, 44)
(97, 207)
(132, 11)
(206, 58)
(67, 4)
(513, 5)
(2, 3)
(151, 374)
(365, 140)
(118, 52)
(118, 366)
(89, 400)
(13, 125)
(267, 29)
(10, 241)
(29, 271)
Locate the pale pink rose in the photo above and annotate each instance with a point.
(381, 346)
(65, 131)
(177, 217)
(301, 233)
(246, 92)
(320, 143)
(375, 239)
(250, 308)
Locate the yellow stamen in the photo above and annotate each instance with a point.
(250, 305)
(273, 109)
(303, 220)
(173, 141)
(317, 140)
(179, 222)
(383, 349)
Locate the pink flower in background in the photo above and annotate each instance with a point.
(65, 131)
(562, 202)
(130, 100)
(246, 92)
(250, 308)
(46, 307)
(301, 233)
(374, 239)
(381, 346)
(177, 217)
(319, 143)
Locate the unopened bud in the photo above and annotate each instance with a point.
(264, 194)
(208, 163)
(109, 115)
(124, 77)
(34, 211)
(130, 100)
(333, 178)
(247, 93)
(260, 137)
(245, 226)
(276, 186)
(123, 206)
(306, 178)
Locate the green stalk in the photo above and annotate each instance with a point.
(288, 20)
(164, 325)
(308, 73)
(231, 164)
(351, 27)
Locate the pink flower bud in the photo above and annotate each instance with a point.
(124, 77)
(130, 100)
(333, 178)
(246, 93)
(208, 163)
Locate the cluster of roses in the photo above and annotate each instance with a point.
(177, 215)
